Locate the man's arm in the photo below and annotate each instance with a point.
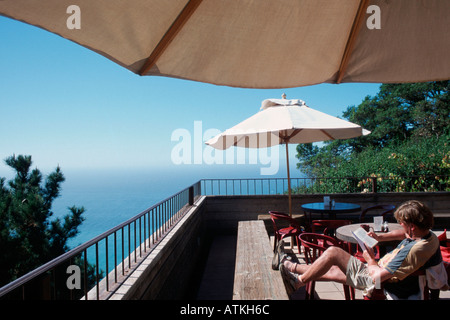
(393, 235)
(377, 273)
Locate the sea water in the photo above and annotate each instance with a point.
(111, 197)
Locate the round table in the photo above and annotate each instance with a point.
(339, 207)
(345, 233)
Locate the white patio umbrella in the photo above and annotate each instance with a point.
(256, 44)
(283, 121)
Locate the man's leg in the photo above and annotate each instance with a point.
(330, 266)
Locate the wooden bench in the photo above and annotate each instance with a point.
(254, 278)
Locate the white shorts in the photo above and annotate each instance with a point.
(358, 275)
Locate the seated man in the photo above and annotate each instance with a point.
(419, 247)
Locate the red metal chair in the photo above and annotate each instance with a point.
(388, 209)
(285, 226)
(314, 245)
(328, 228)
(444, 243)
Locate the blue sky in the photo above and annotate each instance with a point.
(66, 105)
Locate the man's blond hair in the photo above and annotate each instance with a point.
(415, 212)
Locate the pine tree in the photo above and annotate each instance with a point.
(28, 236)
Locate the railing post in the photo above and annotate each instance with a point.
(374, 184)
(191, 195)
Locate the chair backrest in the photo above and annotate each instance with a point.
(328, 227)
(315, 244)
(276, 215)
(387, 210)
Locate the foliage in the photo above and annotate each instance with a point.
(28, 237)
(410, 136)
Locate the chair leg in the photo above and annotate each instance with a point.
(309, 290)
(434, 294)
(275, 242)
(349, 292)
(299, 248)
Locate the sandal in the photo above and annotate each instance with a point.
(291, 280)
(279, 255)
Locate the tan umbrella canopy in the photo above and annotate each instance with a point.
(257, 44)
(283, 121)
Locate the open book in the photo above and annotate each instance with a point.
(364, 239)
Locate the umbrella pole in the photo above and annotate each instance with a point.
(289, 179)
(289, 188)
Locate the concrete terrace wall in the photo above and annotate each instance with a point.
(226, 211)
(167, 272)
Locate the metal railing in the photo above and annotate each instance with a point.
(105, 261)
(373, 184)
(118, 251)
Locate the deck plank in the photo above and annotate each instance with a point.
(254, 278)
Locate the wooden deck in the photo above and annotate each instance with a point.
(220, 273)
(254, 278)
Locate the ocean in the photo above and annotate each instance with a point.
(111, 197)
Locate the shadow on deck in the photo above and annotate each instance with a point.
(217, 280)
